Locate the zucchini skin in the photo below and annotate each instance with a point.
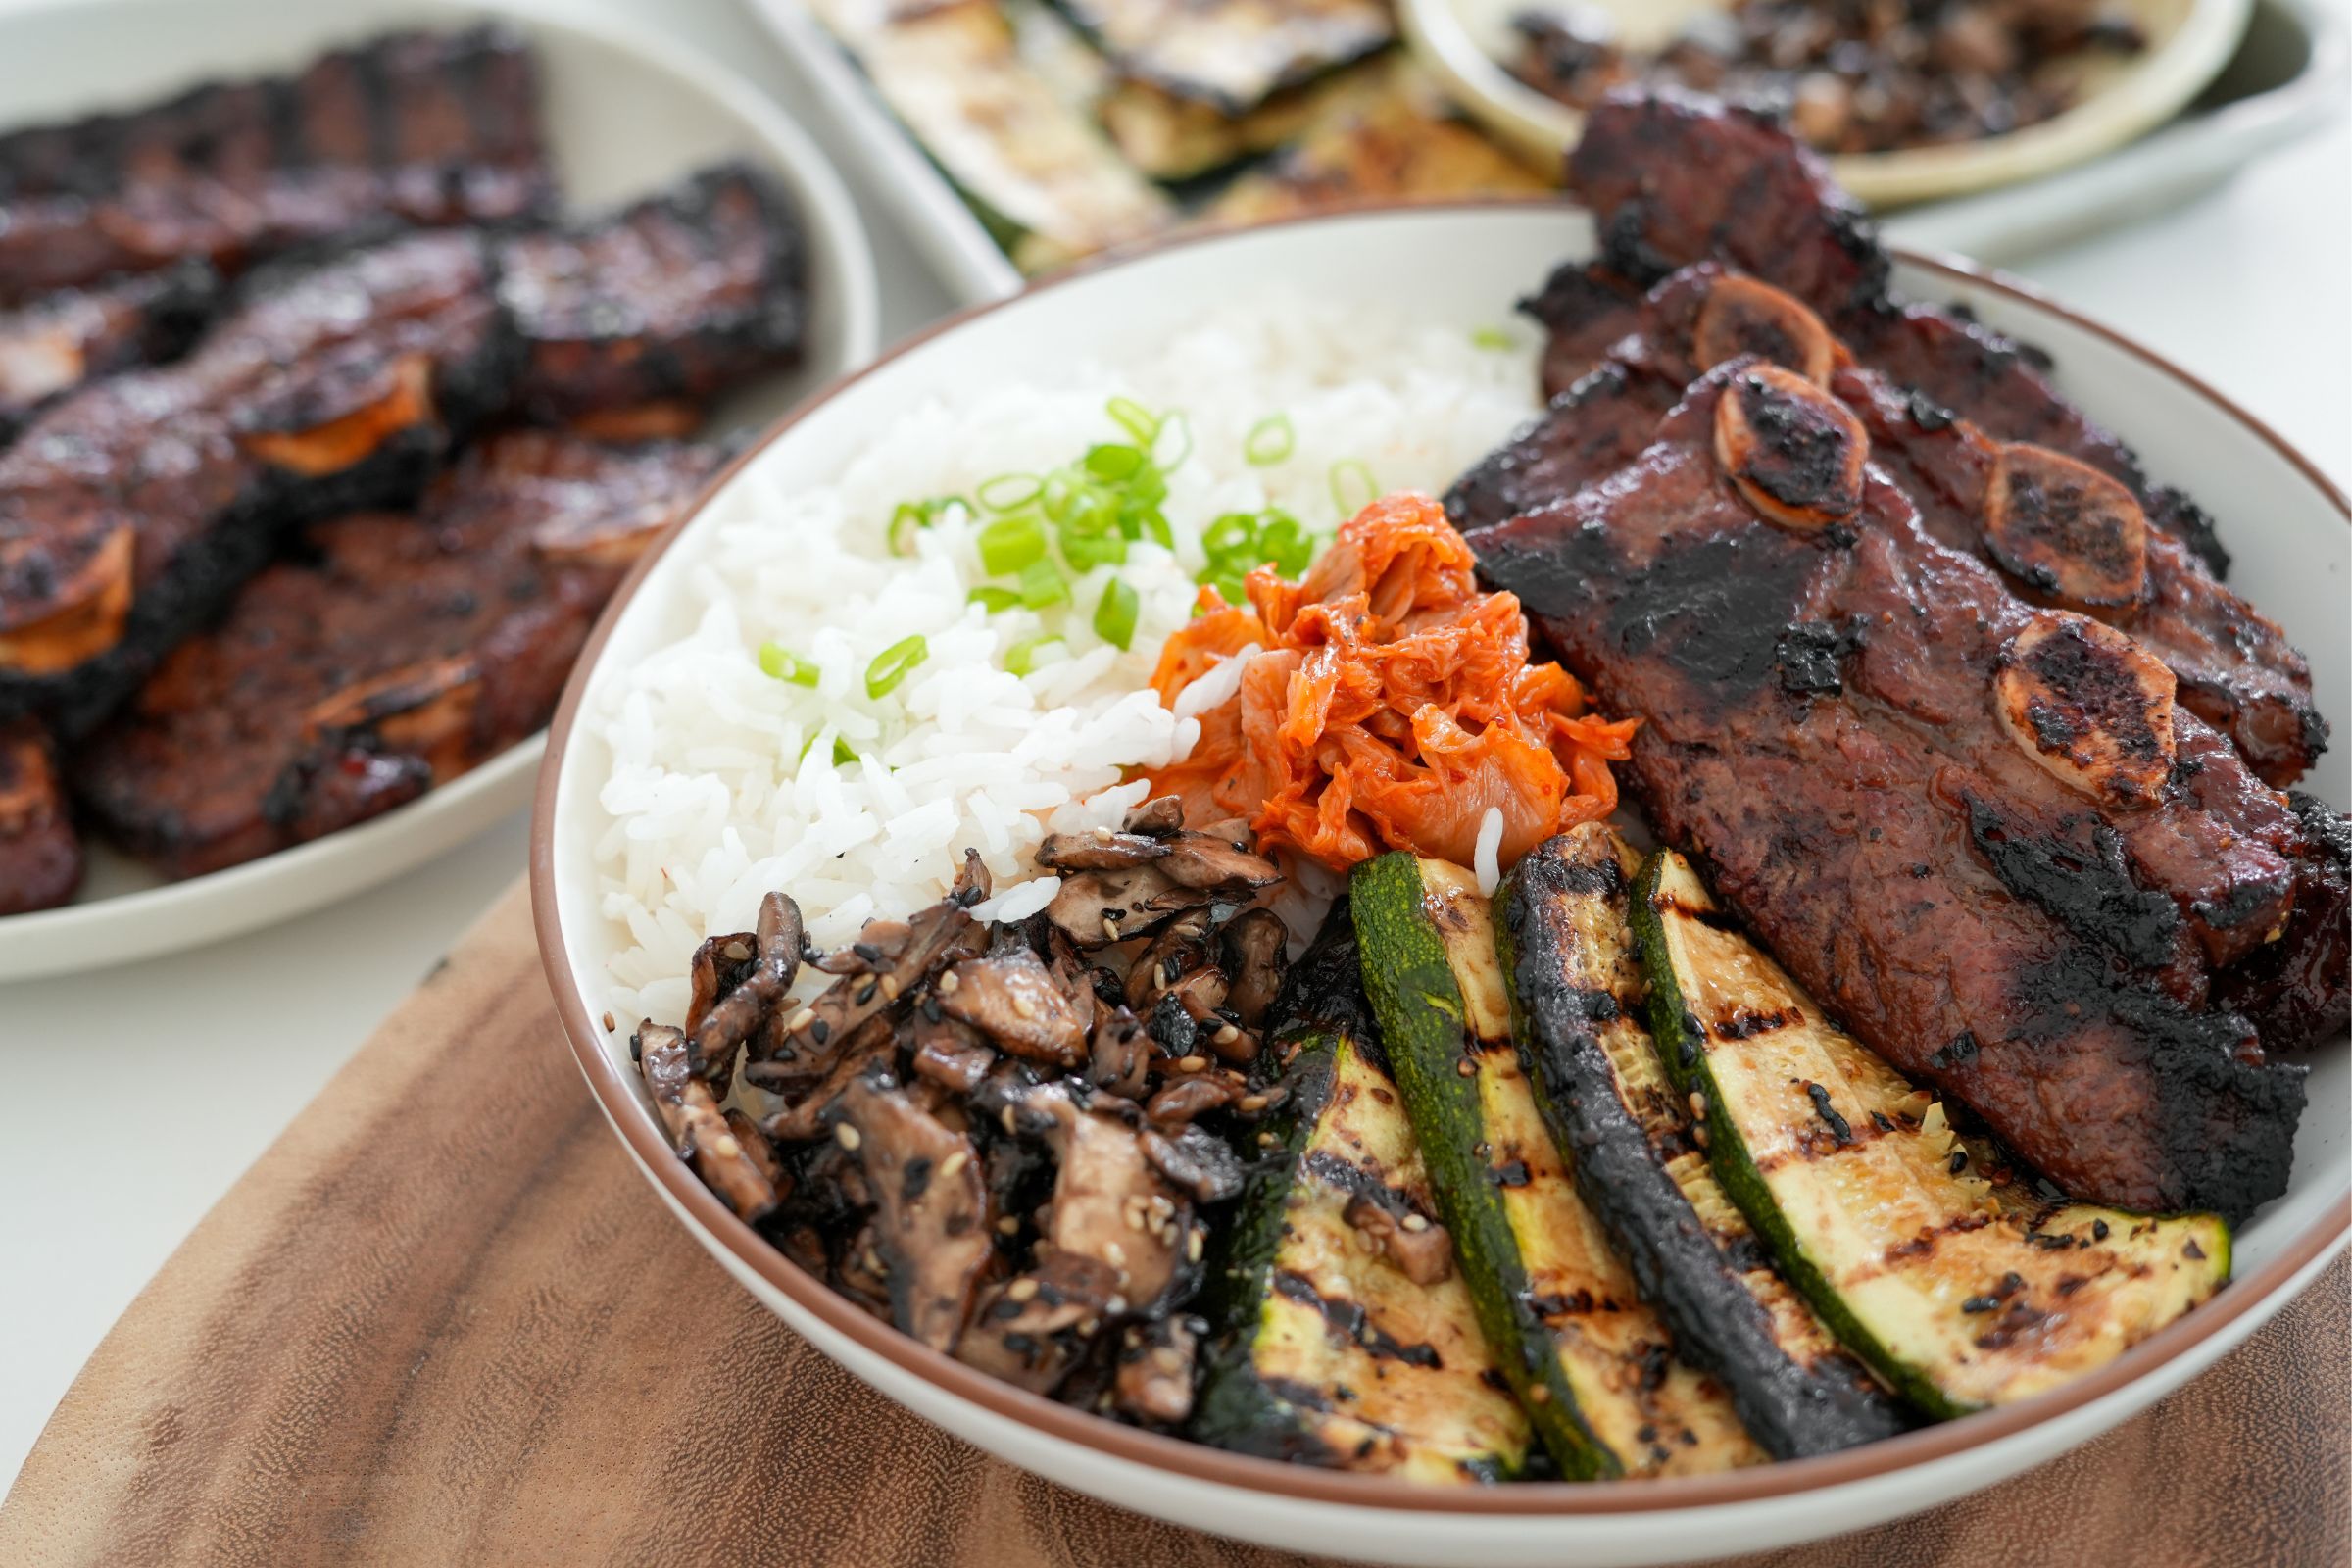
(2047, 1277)
(1639, 1171)
(1594, 1372)
(1256, 1295)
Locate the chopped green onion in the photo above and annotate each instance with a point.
(780, 662)
(996, 601)
(1491, 337)
(1134, 418)
(1009, 544)
(844, 755)
(1021, 658)
(1087, 551)
(1270, 440)
(1350, 478)
(1009, 492)
(1284, 544)
(1180, 447)
(1113, 463)
(1043, 584)
(1114, 616)
(1234, 531)
(890, 667)
(913, 514)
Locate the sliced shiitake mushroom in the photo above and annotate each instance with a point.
(1095, 908)
(1155, 1379)
(891, 959)
(2064, 528)
(741, 1170)
(1792, 451)
(1218, 859)
(718, 1031)
(931, 1220)
(1417, 1246)
(1030, 1331)
(1097, 849)
(1158, 816)
(1257, 956)
(1020, 1005)
(2091, 704)
(1742, 316)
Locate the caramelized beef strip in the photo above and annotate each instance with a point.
(672, 300)
(40, 854)
(1632, 354)
(58, 342)
(1820, 725)
(131, 510)
(425, 129)
(396, 653)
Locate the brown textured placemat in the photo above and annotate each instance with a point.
(443, 1320)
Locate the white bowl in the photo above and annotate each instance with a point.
(1462, 266)
(626, 112)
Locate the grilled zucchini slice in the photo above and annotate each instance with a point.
(1233, 55)
(1592, 1365)
(1576, 995)
(1036, 168)
(1957, 1289)
(1325, 1352)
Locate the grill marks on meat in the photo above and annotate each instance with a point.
(394, 654)
(131, 510)
(55, 343)
(40, 856)
(1849, 819)
(674, 299)
(432, 130)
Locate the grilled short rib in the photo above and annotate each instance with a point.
(40, 854)
(2027, 915)
(394, 654)
(62, 340)
(1673, 179)
(130, 511)
(2039, 514)
(667, 302)
(423, 129)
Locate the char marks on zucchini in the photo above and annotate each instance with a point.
(1930, 1258)
(1628, 1136)
(1592, 1365)
(1345, 1334)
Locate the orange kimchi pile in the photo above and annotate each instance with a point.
(1392, 705)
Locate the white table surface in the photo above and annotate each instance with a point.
(131, 1101)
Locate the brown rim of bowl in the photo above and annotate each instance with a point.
(616, 1093)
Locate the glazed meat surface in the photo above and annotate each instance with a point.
(669, 301)
(130, 511)
(40, 854)
(394, 654)
(2236, 668)
(420, 128)
(2030, 918)
(54, 344)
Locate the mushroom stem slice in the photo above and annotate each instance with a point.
(2091, 704)
(1794, 453)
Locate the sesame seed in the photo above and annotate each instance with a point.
(1116, 1254)
(890, 987)
(1193, 1246)
(1191, 1063)
(1024, 1008)
(1008, 1226)
(1022, 1290)
(1538, 1394)
(609, 1026)
(736, 951)
(1115, 1306)
(725, 1146)
(1416, 1223)
(1267, 1140)
(1167, 1360)
(953, 1164)
(1254, 1102)
(949, 983)
(846, 1136)
(1466, 1068)
(1698, 1104)
(799, 1021)
(1227, 1035)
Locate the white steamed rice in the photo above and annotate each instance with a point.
(723, 783)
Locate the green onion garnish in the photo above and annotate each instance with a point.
(1134, 418)
(1350, 478)
(843, 754)
(1021, 658)
(780, 662)
(996, 601)
(1043, 584)
(1239, 542)
(1491, 337)
(890, 667)
(1112, 463)
(1087, 551)
(1114, 616)
(1009, 544)
(1179, 444)
(1270, 440)
(913, 514)
(1009, 492)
